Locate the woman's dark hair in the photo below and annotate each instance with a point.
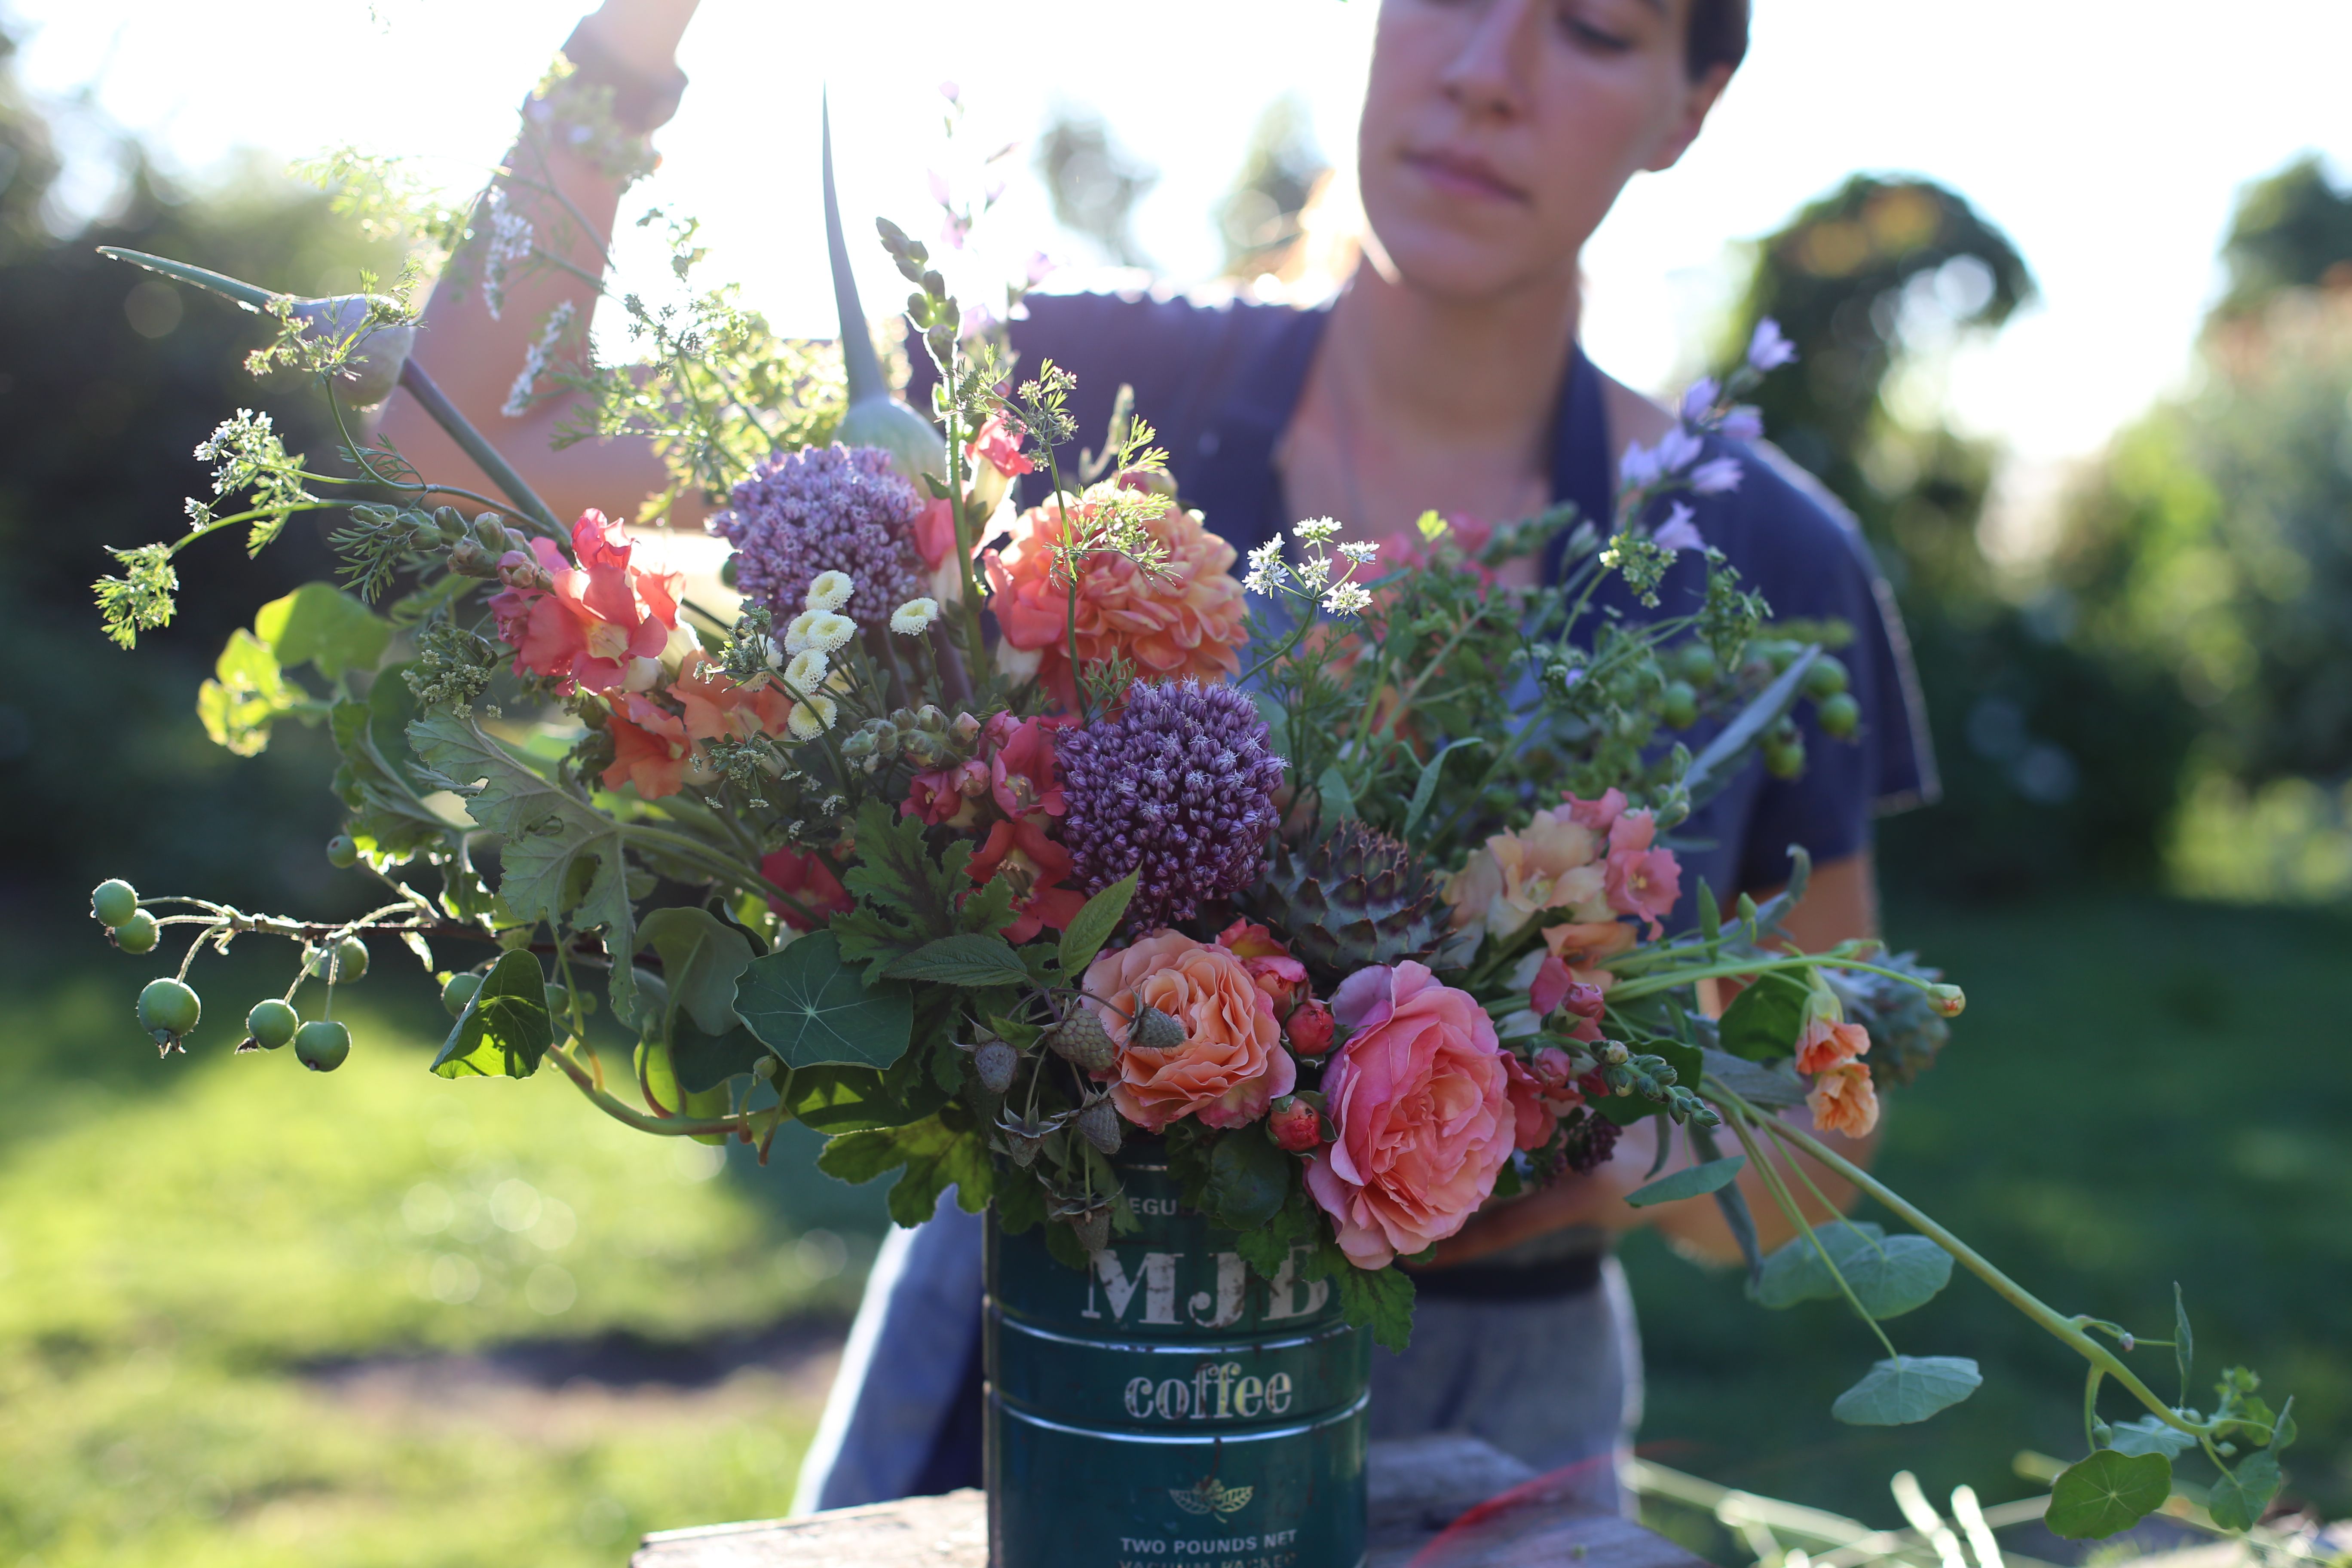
(1718, 36)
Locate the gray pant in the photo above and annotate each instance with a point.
(1552, 1383)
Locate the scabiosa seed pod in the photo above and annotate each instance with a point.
(1178, 787)
(825, 509)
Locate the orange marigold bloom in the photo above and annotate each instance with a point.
(1844, 1101)
(1184, 619)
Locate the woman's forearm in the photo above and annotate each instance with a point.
(569, 202)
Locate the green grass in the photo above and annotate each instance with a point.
(2141, 1092)
(180, 1240)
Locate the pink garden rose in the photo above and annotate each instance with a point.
(1420, 1095)
(1231, 1066)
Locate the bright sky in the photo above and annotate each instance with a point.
(2108, 141)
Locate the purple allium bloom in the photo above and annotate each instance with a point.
(1769, 350)
(825, 509)
(1179, 786)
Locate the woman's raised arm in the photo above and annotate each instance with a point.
(474, 339)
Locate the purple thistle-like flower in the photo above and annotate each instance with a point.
(825, 509)
(1180, 787)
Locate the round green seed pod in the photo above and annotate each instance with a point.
(113, 902)
(1678, 706)
(168, 1006)
(343, 851)
(271, 1024)
(137, 934)
(322, 1045)
(1838, 716)
(1825, 677)
(459, 991)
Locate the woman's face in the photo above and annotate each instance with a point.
(1497, 134)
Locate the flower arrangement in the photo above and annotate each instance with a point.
(1275, 870)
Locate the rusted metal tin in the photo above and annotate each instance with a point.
(1168, 1409)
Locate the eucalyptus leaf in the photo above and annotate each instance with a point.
(811, 1010)
(1092, 926)
(972, 960)
(505, 1030)
(2239, 1499)
(2108, 1492)
(1907, 1388)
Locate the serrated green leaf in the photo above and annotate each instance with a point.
(906, 896)
(1093, 925)
(2148, 1435)
(1907, 1388)
(934, 1155)
(1763, 1021)
(842, 1100)
(2239, 1498)
(320, 625)
(544, 831)
(1249, 1179)
(701, 957)
(967, 959)
(812, 1010)
(2108, 1492)
(246, 694)
(1379, 1300)
(1692, 1182)
(505, 1030)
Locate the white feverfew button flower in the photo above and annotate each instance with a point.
(796, 635)
(830, 591)
(916, 617)
(812, 718)
(807, 670)
(828, 631)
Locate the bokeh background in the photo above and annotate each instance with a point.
(2073, 288)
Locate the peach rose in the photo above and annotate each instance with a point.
(1231, 1065)
(1843, 1100)
(1184, 619)
(1420, 1095)
(1553, 863)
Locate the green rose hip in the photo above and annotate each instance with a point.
(168, 1010)
(271, 1024)
(137, 934)
(321, 1045)
(113, 902)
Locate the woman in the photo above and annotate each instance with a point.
(1495, 135)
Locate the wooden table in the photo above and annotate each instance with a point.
(1436, 1502)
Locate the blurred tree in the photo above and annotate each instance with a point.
(1259, 218)
(2292, 230)
(1095, 185)
(2059, 757)
(108, 378)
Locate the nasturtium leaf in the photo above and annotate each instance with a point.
(1905, 1389)
(812, 1010)
(704, 1060)
(321, 625)
(1093, 925)
(1889, 1275)
(701, 957)
(505, 1030)
(2237, 1499)
(2150, 1435)
(970, 959)
(1694, 1181)
(1763, 1021)
(1249, 1178)
(2108, 1492)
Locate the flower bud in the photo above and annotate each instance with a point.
(965, 731)
(1948, 1000)
(451, 522)
(1294, 1124)
(1310, 1027)
(1614, 1054)
(1584, 1000)
(490, 528)
(468, 559)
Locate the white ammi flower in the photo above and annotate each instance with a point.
(916, 617)
(1318, 530)
(830, 591)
